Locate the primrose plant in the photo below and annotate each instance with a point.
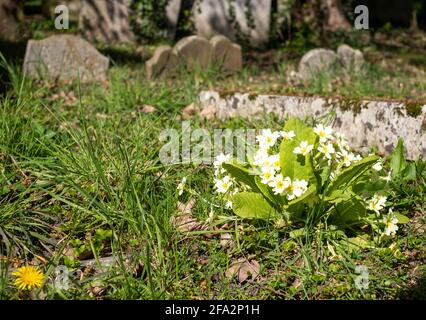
(307, 175)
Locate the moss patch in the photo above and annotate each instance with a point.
(414, 108)
(352, 104)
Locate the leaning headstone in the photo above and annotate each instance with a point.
(106, 21)
(163, 62)
(317, 61)
(64, 58)
(9, 12)
(194, 51)
(227, 54)
(351, 59)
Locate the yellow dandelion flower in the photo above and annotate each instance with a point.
(28, 277)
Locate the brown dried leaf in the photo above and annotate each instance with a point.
(243, 269)
(226, 240)
(208, 112)
(189, 111)
(184, 221)
(186, 207)
(147, 109)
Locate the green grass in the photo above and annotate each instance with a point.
(83, 180)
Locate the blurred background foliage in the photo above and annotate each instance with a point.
(302, 22)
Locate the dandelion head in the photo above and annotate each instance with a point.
(28, 277)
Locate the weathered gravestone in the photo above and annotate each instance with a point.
(64, 58)
(351, 59)
(324, 61)
(195, 52)
(227, 54)
(163, 62)
(317, 61)
(106, 21)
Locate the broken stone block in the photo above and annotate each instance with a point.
(64, 58)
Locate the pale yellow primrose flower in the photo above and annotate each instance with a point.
(296, 189)
(299, 187)
(280, 184)
(267, 138)
(222, 185)
(221, 158)
(327, 150)
(267, 175)
(287, 135)
(347, 158)
(181, 186)
(390, 222)
(304, 148)
(275, 161)
(376, 203)
(324, 133)
(261, 158)
(378, 166)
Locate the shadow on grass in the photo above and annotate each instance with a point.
(416, 292)
(13, 52)
(123, 56)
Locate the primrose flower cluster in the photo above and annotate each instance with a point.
(326, 149)
(268, 165)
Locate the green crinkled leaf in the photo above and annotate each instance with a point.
(293, 165)
(397, 159)
(275, 199)
(251, 205)
(349, 176)
(297, 233)
(297, 206)
(355, 244)
(348, 212)
(241, 174)
(410, 172)
(402, 219)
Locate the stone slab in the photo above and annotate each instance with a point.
(366, 123)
